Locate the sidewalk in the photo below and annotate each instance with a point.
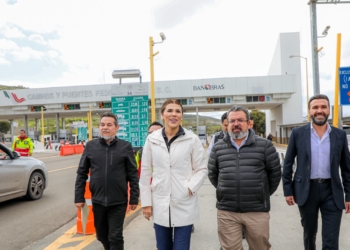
(285, 227)
(286, 232)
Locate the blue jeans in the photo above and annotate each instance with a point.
(166, 240)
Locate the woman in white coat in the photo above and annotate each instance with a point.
(173, 169)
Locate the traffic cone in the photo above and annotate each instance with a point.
(89, 227)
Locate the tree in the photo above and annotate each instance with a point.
(259, 121)
(4, 127)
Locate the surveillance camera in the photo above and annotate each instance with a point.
(162, 36)
(325, 32)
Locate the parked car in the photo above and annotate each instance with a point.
(21, 176)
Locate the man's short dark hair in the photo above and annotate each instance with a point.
(109, 114)
(155, 123)
(251, 118)
(22, 130)
(319, 96)
(223, 117)
(239, 108)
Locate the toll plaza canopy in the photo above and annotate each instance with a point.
(205, 95)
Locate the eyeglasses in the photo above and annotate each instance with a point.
(239, 121)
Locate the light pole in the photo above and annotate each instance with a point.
(314, 46)
(89, 117)
(307, 85)
(151, 55)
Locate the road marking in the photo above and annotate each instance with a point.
(55, 170)
(131, 212)
(70, 237)
(48, 157)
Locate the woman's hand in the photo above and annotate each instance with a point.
(190, 192)
(147, 212)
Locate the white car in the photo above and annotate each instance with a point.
(21, 176)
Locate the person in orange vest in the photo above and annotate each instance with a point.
(23, 144)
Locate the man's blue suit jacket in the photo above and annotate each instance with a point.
(300, 146)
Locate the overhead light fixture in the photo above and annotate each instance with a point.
(126, 73)
(325, 32)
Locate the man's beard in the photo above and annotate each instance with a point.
(238, 135)
(107, 138)
(319, 122)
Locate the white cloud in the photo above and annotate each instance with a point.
(7, 45)
(173, 12)
(26, 53)
(38, 39)
(12, 32)
(3, 61)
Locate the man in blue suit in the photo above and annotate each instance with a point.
(316, 185)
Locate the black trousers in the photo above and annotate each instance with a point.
(109, 223)
(321, 198)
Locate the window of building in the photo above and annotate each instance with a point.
(212, 100)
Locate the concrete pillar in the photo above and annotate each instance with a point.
(36, 124)
(58, 125)
(25, 123)
(63, 124)
(197, 119)
(11, 129)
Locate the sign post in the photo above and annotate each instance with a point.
(344, 80)
(130, 105)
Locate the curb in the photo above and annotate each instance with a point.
(132, 215)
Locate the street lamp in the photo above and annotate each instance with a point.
(307, 86)
(151, 56)
(126, 73)
(314, 46)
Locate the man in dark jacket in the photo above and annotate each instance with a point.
(112, 166)
(245, 170)
(218, 136)
(322, 177)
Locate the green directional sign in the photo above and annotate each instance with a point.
(82, 133)
(132, 112)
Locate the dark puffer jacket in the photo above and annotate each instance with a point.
(244, 179)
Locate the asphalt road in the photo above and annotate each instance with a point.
(23, 222)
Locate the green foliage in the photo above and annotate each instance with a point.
(4, 87)
(259, 121)
(4, 127)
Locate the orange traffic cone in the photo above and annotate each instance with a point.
(89, 228)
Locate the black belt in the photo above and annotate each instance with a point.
(319, 180)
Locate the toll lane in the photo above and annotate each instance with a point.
(24, 222)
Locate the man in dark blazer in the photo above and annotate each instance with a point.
(316, 185)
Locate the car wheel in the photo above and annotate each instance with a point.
(36, 186)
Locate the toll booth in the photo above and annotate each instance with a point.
(95, 133)
(34, 135)
(66, 134)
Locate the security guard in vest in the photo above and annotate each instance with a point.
(23, 144)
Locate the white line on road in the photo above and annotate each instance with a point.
(55, 170)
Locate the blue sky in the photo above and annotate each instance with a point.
(65, 43)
